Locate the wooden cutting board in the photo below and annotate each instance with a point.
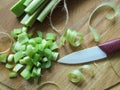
(79, 11)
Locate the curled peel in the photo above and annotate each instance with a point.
(108, 16)
(72, 37)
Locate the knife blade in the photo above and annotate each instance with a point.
(92, 54)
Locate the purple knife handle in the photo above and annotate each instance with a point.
(110, 46)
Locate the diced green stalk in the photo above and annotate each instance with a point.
(30, 51)
(46, 64)
(24, 29)
(55, 55)
(9, 66)
(36, 71)
(29, 20)
(25, 74)
(18, 8)
(17, 67)
(10, 58)
(31, 8)
(54, 46)
(18, 47)
(50, 36)
(25, 60)
(15, 32)
(18, 56)
(27, 2)
(13, 75)
(23, 38)
(39, 34)
(47, 10)
(3, 58)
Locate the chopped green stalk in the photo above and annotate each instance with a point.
(45, 59)
(10, 58)
(13, 75)
(18, 47)
(36, 72)
(18, 8)
(55, 55)
(25, 60)
(27, 2)
(26, 74)
(17, 67)
(3, 58)
(24, 29)
(50, 36)
(46, 10)
(39, 34)
(31, 8)
(38, 40)
(9, 66)
(23, 38)
(18, 56)
(54, 46)
(46, 64)
(15, 32)
(30, 51)
(29, 20)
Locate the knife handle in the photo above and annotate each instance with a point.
(110, 46)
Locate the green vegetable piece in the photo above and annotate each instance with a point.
(55, 55)
(23, 38)
(27, 2)
(32, 42)
(46, 64)
(43, 45)
(13, 75)
(38, 40)
(10, 58)
(18, 8)
(29, 20)
(18, 56)
(30, 51)
(36, 72)
(54, 46)
(25, 74)
(31, 8)
(17, 67)
(16, 32)
(45, 59)
(18, 47)
(75, 76)
(46, 10)
(47, 52)
(9, 66)
(39, 33)
(50, 36)
(24, 29)
(3, 58)
(25, 60)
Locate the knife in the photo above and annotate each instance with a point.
(92, 54)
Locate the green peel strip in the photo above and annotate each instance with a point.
(71, 36)
(108, 16)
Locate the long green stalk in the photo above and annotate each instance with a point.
(31, 8)
(18, 8)
(27, 2)
(29, 20)
(46, 10)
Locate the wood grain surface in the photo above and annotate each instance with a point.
(79, 11)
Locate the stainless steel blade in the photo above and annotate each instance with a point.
(83, 56)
